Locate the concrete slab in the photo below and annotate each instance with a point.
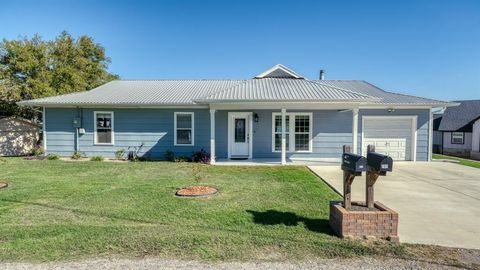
(272, 162)
(438, 202)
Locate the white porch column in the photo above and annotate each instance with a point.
(44, 131)
(355, 131)
(212, 136)
(284, 143)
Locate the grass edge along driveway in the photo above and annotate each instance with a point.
(461, 161)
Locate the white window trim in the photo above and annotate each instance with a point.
(292, 132)
(95, 141)
(463, 138)
(175, 128)
(413, 118)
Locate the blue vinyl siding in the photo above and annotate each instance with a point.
(331, 129)
(60, 134)
(132, 127)
(423, 116)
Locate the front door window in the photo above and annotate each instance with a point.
(240, 131)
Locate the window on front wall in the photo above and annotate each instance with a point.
(458, 137)
(278, 132)
(103, 127)
(183, 128)
(298, 133)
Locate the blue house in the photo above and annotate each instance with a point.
(278, 114)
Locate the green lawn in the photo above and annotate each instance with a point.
(56, 210)
(463, 161)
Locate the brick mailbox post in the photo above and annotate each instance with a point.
(369, 218)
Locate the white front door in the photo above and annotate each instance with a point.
(239, 135)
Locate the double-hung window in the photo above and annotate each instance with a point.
(298, 132)
(458, 138)
(184, 130)
(103, 128)
(277, 130)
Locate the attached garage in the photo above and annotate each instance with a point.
(392, 135)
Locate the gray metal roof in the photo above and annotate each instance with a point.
(154, 92)
(280, 89)
(460, 118)
(385, 97)
(265, 87)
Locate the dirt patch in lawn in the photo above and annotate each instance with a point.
(196, 191)
(3, 184)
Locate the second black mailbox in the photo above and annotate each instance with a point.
(354, 164)
(380, 163)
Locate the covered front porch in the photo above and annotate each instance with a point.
(267, 134)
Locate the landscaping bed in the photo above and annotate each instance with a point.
(196, 191)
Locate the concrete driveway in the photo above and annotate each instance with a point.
(438, 202)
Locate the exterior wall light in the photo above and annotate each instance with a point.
(255, 117)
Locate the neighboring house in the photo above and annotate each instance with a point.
(437, 135)
(460, 128)
(17, 136)
(239, 119)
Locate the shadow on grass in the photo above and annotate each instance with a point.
(274, 217)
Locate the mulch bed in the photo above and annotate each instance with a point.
(3, 184)
(356, 206)
(196, 191)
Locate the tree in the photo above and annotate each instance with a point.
(34, 68)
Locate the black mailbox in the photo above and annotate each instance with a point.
(379, 162)
(355, 164)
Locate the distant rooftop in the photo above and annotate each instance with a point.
(460, 118)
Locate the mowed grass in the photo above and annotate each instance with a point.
(56, 210)
(462, 161)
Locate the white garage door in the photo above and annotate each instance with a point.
(391, 136)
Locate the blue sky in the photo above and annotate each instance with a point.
(425, 48)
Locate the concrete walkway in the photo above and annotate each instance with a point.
(438, 202)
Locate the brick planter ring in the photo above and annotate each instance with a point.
(381, 223)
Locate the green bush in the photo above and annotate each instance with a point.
(77, 155)
(119, 154)
(169, 156)
(201, 157)
(96, 158)
(53, 157)
(37, 151)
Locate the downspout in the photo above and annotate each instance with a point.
(44, 131)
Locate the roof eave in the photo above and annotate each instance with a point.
(98, 105)
(207, 101)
